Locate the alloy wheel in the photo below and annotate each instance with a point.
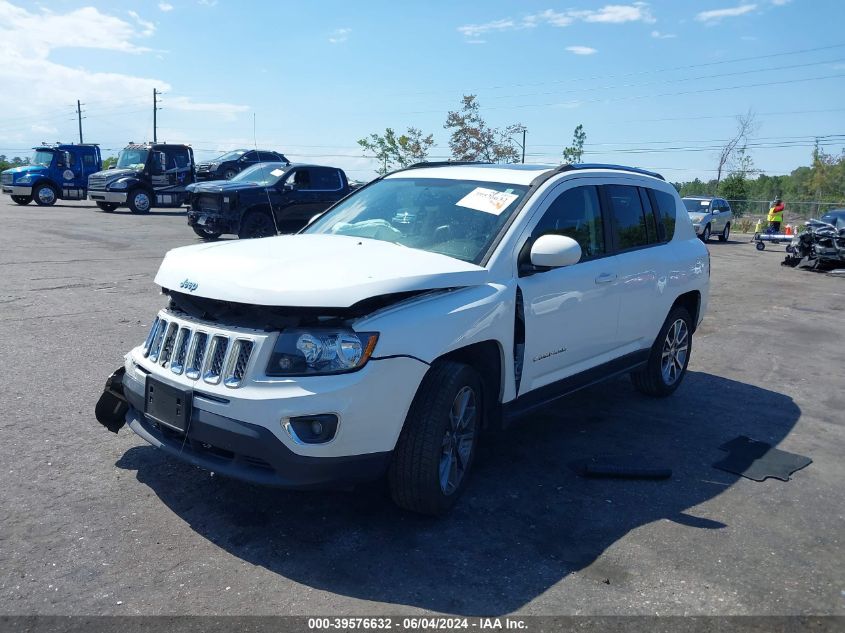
(675, 350)
(458, 440)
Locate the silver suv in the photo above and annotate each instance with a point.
(710, 216)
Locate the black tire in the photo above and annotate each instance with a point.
(761, 246)
(107, 207)
(652, 379)
(230, 173)
(420, 460)
(45, 195)
(726, 233)
(256, 224)
(139, 201)
(705, 237)
(22, 200)
(206, 234)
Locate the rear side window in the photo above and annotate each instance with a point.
(575, 213)
(268, 156)
(325, 179)
(628, 218)
(668, 210)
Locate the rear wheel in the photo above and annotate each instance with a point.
(108, 207)
(436, 448)
(45, 195)
(206, 234)
(139, 201)
(22, 200)
(726, 233)
(256, 224)
(669, 357)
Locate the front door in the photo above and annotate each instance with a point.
(570, 313)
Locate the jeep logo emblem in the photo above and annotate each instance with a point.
(189, 285)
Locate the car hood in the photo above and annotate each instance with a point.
(111, 174)
(220, 186)
(26, 169)
(315, 271)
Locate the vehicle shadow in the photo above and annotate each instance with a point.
(527, 519)
(155, 212)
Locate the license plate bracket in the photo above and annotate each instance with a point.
(167, 405)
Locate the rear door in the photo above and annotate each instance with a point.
(570, 313)
(642, 262)
(298, 201)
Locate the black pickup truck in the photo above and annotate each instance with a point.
(265, 199)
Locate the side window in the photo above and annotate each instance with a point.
(628, 217)
(575, 213)
(325, 179)
(177, 159)
(267, 157)
(300, 179)
(250, 157)
(88, 159)
(668, 210)
(650, 223)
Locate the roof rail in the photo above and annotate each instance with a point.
(444, 163)
(636, 170)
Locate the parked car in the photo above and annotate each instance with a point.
(836, 217)
(55, 172)
(230, 164)
(145, 176)
(710, 216)
(264, 199)
(428, 306)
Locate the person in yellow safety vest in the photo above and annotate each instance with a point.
(775, 216)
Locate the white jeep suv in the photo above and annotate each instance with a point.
(431, 304)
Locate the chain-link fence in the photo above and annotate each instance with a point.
(793, 211)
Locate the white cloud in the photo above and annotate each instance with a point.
(165, 6)
(662, 36)
(339, 36)
(780, 3)
(44, 129)
(149, 27)
(609, 14)
(714, 15)
(581, 50)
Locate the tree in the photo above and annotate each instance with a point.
(574, 152)
(735, 190)
(396, 152)
(108, 162)
(472, 139)
(745, 126)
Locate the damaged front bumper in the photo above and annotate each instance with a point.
(233, 448)
(212, 221)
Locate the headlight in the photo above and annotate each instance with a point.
(320, 351)
(696, 218)
(213, 166)
(118, 184)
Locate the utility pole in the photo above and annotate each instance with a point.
(523, 144)
(79, 118)
(156, 93)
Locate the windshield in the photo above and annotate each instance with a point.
(458, 218)
(132, 158)
(836, 219)
(42, 157)
(229, 156)
(695, 205)
(264, 174)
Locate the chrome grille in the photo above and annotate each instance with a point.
(236, 365)
(6, 179)
(216, 355)
(207, 202)
(211, 357)
(97, 181)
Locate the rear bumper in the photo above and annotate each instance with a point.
(17, 190)
(107, 196)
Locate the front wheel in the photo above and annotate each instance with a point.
(436, 448)
(256, 224)
(139, 201)
(107, 207)
(45, 195)
(229, 174)
(669, 357)
(206, 234)
(22, 200)
(726, 233)
(705, 236)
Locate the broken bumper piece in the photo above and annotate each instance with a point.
(112, 406)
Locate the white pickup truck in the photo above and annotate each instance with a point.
(426, 307)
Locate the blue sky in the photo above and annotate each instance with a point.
(317, 76)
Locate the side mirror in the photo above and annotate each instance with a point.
(555, 251)
(288, 187)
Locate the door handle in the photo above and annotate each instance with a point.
(606, 278)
